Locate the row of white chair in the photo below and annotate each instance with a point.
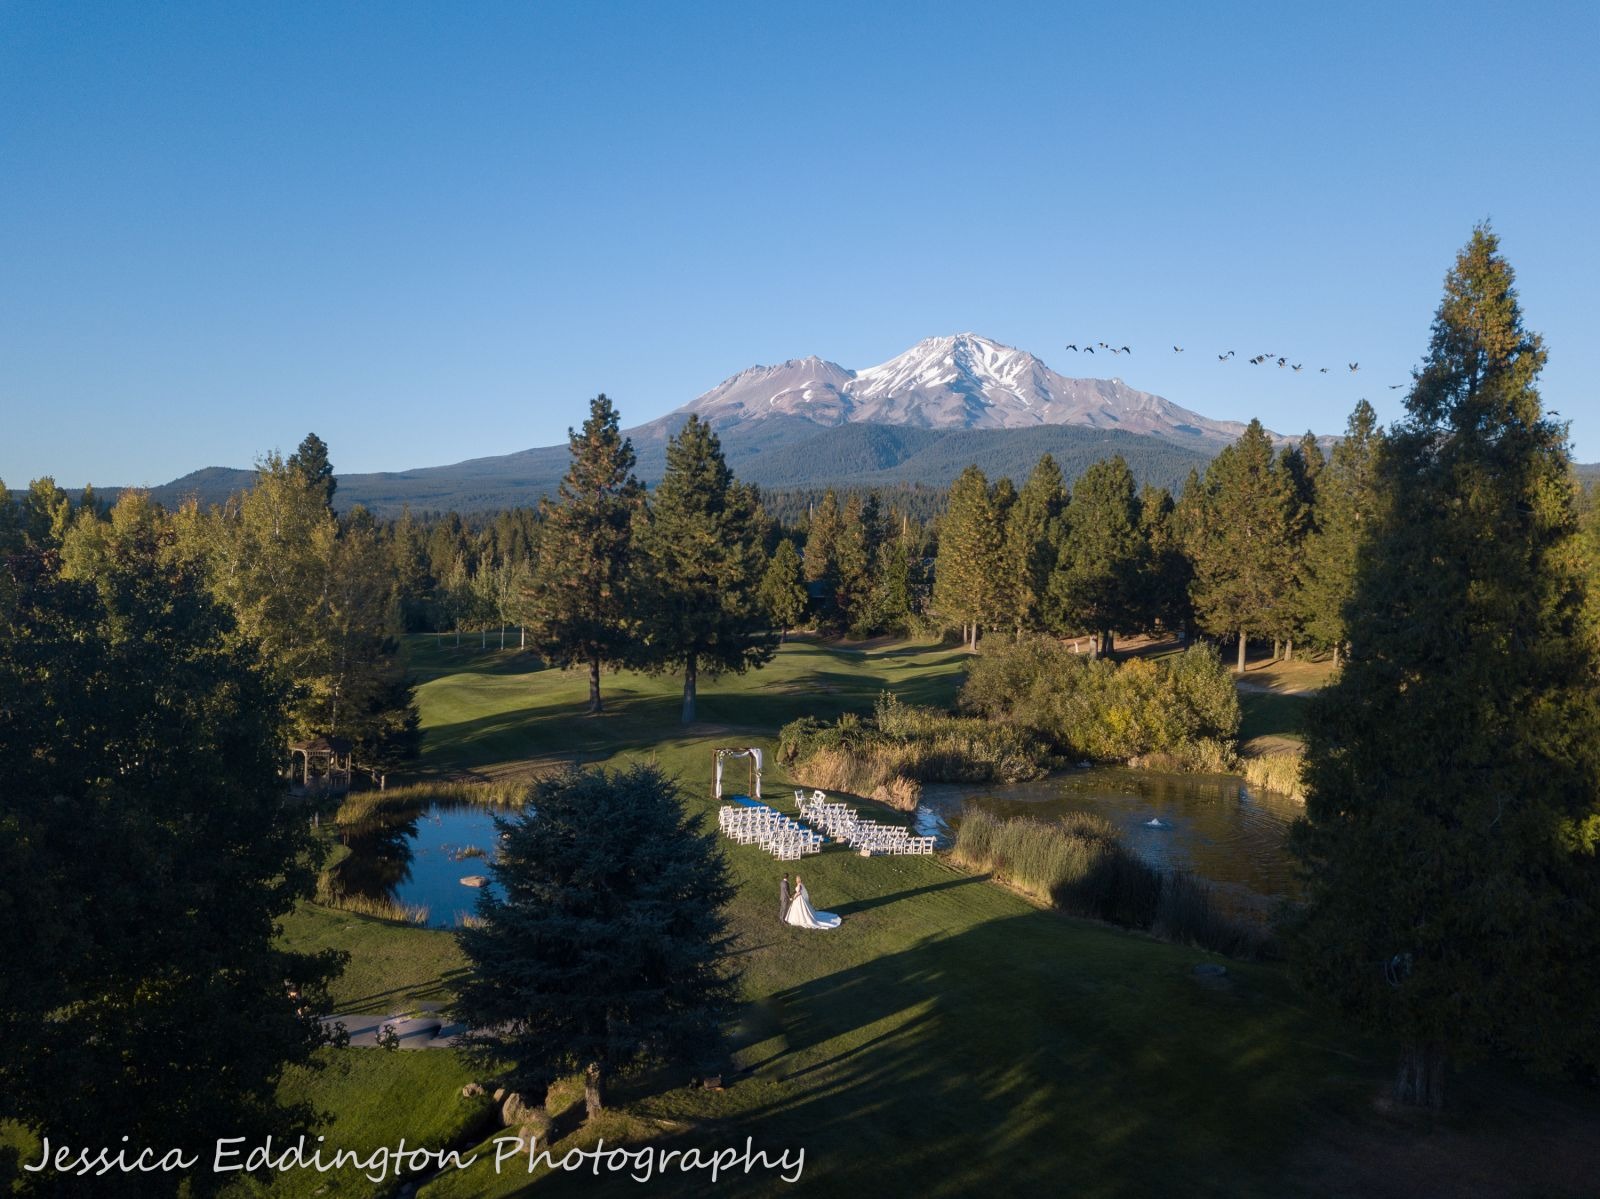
(780, 835)
(868, 836)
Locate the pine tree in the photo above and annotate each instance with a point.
(782, 592)
(701, 534)
(892, 594)
(1033, 534)
(1098, 584)
(1344, 508)
(413, 584)
(966, 573)
(1241, 539)
(606, 944)
(1164, 592)
(1453, 769)
(856, 555)
(580, 602)
(311, 460)
(821, 563)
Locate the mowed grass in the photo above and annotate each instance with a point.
(375, 1097)
(950, 1032)
(949, 1038)
(1271, 722)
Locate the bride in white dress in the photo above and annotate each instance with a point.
(802, 915)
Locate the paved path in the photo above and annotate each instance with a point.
(427, 1031)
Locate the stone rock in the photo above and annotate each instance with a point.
(471, 1089)
(517, 1111)
(475, 880)
(499, 1094)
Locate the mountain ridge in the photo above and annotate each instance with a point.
(924, 410)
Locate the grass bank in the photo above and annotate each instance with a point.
(949, 1034)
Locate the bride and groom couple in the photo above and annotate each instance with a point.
(795, 907)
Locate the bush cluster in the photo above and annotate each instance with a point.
(1181, 711)
(889, 756)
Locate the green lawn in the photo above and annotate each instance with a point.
(376, 1096)
(1271, 720)
(948, 1038)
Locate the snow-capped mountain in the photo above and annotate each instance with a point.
(958, 382)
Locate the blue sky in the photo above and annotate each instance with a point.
(431, 232)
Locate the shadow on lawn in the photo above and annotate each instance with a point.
(1104, 1069)
(863, 905)
(1026, 1054)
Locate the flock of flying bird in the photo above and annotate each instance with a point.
(1256, 361)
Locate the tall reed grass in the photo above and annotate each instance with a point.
(1283, 773)
(507, 793)
(329, 895)
(1079, 865)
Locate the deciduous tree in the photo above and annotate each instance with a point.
(148, 854)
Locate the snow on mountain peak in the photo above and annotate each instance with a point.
(962, 380)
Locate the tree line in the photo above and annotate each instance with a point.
(314, 594)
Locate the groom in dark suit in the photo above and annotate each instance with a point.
(783, 899)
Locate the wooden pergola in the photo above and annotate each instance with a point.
(319, 766)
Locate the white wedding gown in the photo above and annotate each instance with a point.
(801, 914)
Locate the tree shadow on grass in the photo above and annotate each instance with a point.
(1030, 1053)
(863, 905)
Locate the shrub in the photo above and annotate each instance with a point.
(1183, 706)
(902, 747)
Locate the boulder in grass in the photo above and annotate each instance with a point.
(471, 1090)
(516, 1112)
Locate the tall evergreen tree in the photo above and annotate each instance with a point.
(413, 584)
(1032, 537)
(821, 560)
(856, 555)
(606, 945)
(1164, 593)
(1453, 770)
(1098, 583)
(148, 856)
(702, 537)
(782, 592)
(1345, 506)
(966, 572)
(1241, 539)
(311, 460)
(892, 594)
(580, 602)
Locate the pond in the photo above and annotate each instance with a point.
(1211, 825)
(417, 856)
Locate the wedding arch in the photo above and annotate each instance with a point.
(753, 756)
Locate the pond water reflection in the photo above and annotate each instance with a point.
(418, 855)
(1210, 825)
